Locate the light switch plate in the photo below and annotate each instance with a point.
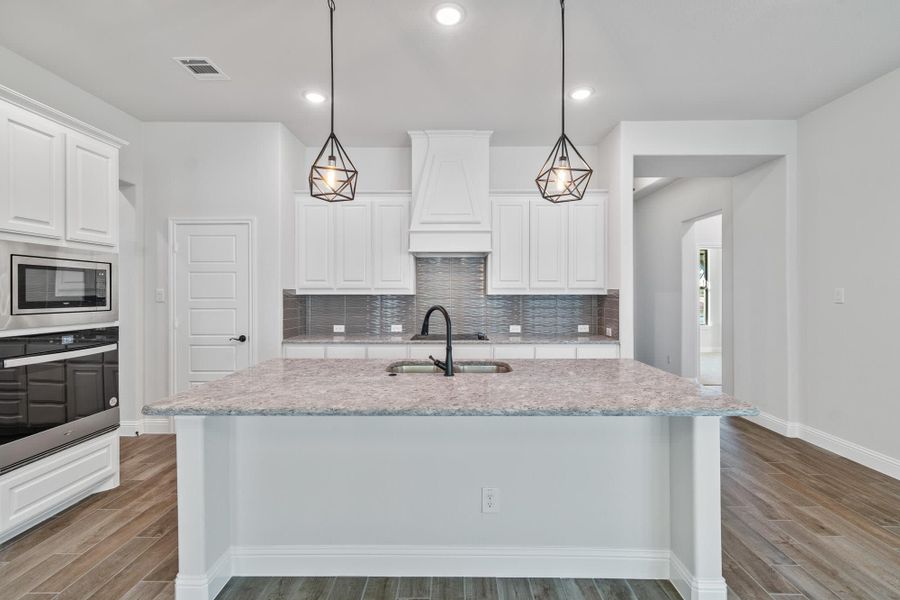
(339, 329)
(396, 328)
(609, 332)
(584, 329)
(160, 294)
(515, 329)
(838, 297)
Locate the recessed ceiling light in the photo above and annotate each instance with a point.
(582, 93)
(314, 97)
(449, 14)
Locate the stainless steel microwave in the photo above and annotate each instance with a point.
(46, 286)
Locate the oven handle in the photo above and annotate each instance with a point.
(56, 356)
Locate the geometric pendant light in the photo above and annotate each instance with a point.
(332, 176)
(565, 174)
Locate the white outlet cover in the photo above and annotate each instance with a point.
(490, 500)
(396, 328)
(838, 297)
(584, 329)
(160, 294)
(339, 329)
(515, 329)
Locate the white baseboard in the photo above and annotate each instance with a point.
(694, 588)
(147, 425)
(882, 463)
(450, 561)
(204, 587)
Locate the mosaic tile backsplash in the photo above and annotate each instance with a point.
(459, 285)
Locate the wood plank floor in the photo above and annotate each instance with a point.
(798, 523)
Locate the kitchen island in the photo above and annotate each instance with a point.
(605, 468)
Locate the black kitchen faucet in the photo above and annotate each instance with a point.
(447, 364)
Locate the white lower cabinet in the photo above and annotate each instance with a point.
(35, 491)
(512, 351)
(460, 351)
(555, 351)
(388, 351)
(345, 351)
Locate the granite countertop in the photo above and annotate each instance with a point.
(494, 338)
(304, 387)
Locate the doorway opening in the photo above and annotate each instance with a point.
(706, 235)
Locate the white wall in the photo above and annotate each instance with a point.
(213, 170)
(762, 285)
(849, 221)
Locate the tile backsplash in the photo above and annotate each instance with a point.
(458, 284)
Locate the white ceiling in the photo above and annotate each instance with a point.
(398, 70)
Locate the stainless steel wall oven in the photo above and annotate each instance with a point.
(56, 389)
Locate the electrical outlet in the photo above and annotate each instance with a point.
(838, 297)
(609, 332)
(490, 500)
(515, 329)
(339, 329)
(160, 294)
(584, 329)
(396, 328)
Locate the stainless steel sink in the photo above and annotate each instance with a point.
(459, 367)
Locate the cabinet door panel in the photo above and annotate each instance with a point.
(353, 247)
(314, 240)
(393, 264)
(587, 246)
(32, 174)
(92, 191)
(508, 262)
(548, 246)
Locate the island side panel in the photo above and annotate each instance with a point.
(205, 462)
(695, 508)
(579, 496)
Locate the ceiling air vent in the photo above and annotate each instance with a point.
(201, 68)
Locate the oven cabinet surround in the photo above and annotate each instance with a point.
(545, 248)
(34, 492)
(58, 185)
(461, 351)
(618, 497)
(359, 247)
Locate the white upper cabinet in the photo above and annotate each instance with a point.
(59, 177)
(508, 264)
(353, 246)
(315, 241)
(587, 245)
(32, 174)
(544, 248)
(358, 247)
(393, 265)
(549, 226)
(92, 191)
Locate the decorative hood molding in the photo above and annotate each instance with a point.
(451, 212)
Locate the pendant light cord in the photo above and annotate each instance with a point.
(331, 36)
(562, 12)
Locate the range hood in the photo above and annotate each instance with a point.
(451, 207)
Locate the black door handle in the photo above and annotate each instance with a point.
(241, 338)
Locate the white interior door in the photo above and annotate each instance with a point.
(212, 301)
